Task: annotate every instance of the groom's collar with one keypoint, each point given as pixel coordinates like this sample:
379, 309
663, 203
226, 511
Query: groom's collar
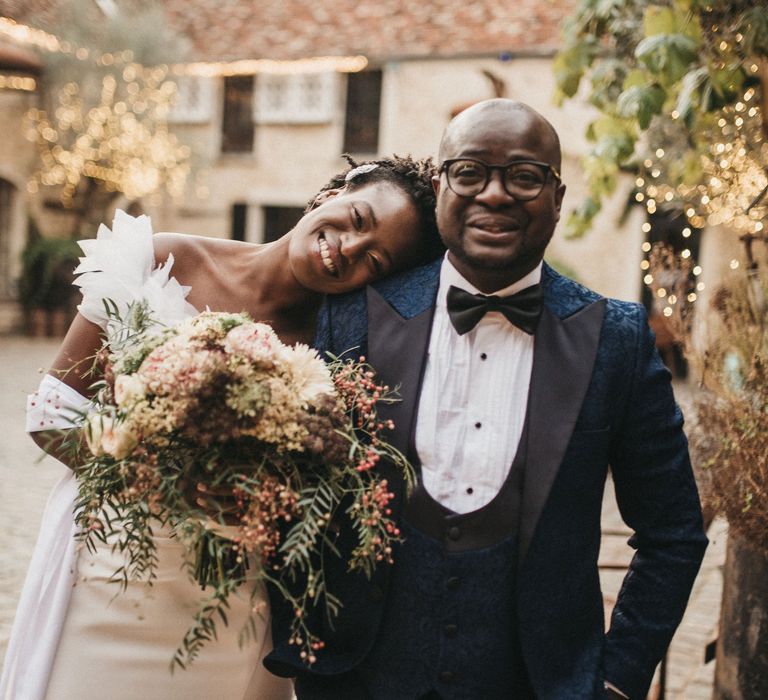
451, 277
413, 292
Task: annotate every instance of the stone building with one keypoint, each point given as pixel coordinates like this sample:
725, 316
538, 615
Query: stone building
265, 137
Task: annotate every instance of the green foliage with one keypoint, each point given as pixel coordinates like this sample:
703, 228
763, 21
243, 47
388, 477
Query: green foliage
641, 102
652, 63
46, 277
667, 55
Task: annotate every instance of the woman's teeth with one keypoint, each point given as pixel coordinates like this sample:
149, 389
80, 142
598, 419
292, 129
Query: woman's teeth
325, 254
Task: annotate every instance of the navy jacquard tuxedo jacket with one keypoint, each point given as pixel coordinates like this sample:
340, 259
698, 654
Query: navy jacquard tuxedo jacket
600, 398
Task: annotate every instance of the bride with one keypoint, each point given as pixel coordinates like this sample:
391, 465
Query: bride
72, 637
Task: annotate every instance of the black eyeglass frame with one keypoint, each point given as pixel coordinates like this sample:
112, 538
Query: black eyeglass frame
549, 169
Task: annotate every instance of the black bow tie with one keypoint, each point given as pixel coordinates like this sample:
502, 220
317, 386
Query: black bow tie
522, 309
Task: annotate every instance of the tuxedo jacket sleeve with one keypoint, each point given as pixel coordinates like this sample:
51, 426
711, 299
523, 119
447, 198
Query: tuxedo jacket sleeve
657, 497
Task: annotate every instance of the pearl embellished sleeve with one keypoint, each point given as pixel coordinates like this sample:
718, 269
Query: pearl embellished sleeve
54, 406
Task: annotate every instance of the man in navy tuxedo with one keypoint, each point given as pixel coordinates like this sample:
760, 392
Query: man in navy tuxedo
519, 389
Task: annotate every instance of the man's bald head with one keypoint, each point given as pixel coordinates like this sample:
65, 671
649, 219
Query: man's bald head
498, 112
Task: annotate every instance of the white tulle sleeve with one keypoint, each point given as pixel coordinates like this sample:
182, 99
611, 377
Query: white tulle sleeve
119, 265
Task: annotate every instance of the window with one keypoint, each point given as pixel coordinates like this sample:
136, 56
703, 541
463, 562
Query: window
279, 220
239, 221
308, 98
361, 128
194, 100
237, 122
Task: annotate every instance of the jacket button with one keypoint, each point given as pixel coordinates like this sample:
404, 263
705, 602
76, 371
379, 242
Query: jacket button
450, 630
447, 676
376, 594
454, 533
453, 583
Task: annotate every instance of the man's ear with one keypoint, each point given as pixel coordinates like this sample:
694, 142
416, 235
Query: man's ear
325, 195
559, 193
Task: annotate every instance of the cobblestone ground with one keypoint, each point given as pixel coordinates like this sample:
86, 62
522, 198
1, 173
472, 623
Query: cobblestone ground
25, 482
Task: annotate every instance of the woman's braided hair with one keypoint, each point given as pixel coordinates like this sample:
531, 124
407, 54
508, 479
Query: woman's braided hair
412, 176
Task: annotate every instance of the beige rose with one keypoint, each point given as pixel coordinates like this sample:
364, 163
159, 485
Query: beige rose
105, 435
128, 390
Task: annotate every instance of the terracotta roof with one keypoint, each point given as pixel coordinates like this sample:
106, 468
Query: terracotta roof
285, 29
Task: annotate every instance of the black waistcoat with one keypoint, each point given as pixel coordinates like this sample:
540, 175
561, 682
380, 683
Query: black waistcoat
450, 624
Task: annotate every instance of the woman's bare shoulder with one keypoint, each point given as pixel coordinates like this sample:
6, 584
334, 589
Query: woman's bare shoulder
190, 253
196, 257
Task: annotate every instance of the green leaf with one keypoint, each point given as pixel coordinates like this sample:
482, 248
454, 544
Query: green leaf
642, 103
635, 78
659, 20
668, 56
570, 63
754, 27
580, 219
692, 89
728, 84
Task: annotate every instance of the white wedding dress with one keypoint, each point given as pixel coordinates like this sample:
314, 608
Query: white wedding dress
73, 637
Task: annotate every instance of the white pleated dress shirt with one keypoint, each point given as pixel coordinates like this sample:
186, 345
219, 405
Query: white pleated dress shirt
473, 400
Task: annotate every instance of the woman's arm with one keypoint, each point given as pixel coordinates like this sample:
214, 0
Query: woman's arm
71, 366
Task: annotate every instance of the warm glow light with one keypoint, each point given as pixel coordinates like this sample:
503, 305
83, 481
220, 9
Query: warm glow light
317, 64
17, 82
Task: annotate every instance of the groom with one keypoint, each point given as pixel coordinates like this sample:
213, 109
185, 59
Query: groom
512, 410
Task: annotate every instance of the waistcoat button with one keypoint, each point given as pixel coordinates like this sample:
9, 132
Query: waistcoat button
450, 630
447, 676
454, 533
453, 583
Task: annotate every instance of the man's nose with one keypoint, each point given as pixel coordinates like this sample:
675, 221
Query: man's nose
494, 194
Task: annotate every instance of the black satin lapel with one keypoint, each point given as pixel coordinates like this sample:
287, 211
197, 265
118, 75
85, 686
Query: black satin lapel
397, 351
563, 359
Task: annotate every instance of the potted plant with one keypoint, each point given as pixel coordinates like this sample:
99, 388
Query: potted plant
45, 285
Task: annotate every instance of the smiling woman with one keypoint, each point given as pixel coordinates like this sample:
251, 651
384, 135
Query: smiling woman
367, 222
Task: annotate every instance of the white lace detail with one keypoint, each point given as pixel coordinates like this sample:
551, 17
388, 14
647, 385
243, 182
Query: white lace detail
119, 265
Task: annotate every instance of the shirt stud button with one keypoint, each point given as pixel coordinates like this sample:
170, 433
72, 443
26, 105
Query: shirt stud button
483, 356
478, 425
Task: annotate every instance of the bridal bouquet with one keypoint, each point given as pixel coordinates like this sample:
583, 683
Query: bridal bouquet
218, 404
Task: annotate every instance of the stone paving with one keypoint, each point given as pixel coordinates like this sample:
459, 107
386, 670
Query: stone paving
25, 481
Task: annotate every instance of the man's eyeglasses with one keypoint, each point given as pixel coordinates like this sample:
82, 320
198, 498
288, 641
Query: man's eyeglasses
522, 179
